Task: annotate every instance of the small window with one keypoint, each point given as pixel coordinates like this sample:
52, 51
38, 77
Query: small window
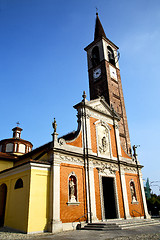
95, 56
72, 189
22, 148
133, 192
111, 55
9, 147
18, 134
19, 184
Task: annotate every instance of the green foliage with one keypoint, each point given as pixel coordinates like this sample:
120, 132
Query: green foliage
153, 204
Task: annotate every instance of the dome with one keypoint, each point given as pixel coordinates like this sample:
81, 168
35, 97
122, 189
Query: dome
15, 145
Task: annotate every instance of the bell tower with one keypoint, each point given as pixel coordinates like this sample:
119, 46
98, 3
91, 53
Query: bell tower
104, 78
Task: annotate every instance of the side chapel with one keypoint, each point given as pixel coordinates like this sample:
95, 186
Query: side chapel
89, 174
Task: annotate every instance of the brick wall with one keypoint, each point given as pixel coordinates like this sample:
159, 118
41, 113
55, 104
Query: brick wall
120, 199
93, 134
113, 141
76, 142
71, 213
97, 194
117, 100
135, 206
124, 154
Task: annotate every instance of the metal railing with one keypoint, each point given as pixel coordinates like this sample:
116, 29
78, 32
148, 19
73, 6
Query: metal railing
136, 212
79, 227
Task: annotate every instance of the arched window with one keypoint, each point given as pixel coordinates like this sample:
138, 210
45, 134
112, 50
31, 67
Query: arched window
19, 184
3, 197
95, 56
133, 191
72, 186
111, 55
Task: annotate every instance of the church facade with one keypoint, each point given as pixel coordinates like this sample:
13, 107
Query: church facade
87, 175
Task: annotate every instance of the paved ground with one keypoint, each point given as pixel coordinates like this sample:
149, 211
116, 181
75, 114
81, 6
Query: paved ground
145, 233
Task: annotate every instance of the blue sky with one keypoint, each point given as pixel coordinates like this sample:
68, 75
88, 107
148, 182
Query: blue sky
43, 67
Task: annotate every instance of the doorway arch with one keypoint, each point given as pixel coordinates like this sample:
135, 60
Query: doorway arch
3, 197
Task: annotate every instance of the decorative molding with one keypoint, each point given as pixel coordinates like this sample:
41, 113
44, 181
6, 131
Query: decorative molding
116, 126
107, 168
70, 159
103, 139
62, 142
129, 169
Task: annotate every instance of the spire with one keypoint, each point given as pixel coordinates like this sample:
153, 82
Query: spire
99, 31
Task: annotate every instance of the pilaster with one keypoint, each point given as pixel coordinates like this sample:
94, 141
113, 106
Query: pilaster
116, 128
92, 193
56, 222
146, 214
125, 197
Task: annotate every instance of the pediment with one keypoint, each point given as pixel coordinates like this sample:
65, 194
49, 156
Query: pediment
101, 106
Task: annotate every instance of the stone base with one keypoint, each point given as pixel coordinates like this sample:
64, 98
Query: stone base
56, 227
147, 216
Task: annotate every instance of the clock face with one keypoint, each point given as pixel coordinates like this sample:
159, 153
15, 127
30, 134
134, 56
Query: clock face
113, 73
97, 73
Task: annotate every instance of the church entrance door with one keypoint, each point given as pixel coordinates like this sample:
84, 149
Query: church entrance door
109, 197
3, 196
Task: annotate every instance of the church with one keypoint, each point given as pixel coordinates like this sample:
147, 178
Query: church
88, 175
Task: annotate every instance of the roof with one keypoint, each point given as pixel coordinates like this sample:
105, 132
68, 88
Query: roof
10, 140
99, 31
69, 136
7, 156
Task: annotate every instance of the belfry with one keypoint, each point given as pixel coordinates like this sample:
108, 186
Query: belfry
88, 175
105, 80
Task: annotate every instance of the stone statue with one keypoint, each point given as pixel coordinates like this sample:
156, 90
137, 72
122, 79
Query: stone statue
133, 193
54, 124
72, 190
103, 145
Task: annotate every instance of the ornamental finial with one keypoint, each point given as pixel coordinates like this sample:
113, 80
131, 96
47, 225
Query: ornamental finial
84, 95
54, 125
96, 11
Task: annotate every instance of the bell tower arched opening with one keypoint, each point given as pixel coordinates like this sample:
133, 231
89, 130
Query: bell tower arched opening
95, 56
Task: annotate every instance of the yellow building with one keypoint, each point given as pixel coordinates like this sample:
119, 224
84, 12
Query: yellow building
89, 174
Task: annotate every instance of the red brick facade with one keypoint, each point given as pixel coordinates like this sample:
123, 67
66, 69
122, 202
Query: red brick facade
135, 208
71, 213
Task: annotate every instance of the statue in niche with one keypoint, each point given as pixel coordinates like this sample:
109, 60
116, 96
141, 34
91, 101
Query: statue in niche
133, 193
103, 140
103, 145
72, 189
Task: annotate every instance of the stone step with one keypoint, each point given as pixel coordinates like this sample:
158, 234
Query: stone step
139, 224
120, 224
101, 227
98, 226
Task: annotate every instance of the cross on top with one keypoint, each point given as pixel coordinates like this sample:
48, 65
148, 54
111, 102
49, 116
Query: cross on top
18, 123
